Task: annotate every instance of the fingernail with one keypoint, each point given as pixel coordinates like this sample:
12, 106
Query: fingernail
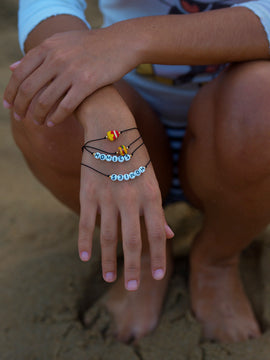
17, 117
158, 274
132, 285
50, 123
109, 276
6, 104
14, 65
169, 230
84, 256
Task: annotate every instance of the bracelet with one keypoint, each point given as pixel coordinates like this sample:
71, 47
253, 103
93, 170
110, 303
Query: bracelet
120, 177
112, 135
112, 156
109, 156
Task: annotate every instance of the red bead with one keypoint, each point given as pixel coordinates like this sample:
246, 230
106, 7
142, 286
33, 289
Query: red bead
113, 135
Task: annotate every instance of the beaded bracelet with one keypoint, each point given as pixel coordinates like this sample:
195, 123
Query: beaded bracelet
120, 177
112, 156
112, 135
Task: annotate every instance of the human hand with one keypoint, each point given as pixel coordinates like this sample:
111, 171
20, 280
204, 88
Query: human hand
121, 205
49, 83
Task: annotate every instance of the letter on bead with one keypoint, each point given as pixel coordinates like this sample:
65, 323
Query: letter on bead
113, 177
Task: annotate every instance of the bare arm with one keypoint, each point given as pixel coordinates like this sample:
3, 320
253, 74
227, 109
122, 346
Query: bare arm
51, 26
212, 37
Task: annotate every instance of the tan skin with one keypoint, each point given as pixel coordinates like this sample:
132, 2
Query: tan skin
214, 174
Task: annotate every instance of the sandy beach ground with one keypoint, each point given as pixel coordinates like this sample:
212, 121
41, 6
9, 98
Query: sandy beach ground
44, 287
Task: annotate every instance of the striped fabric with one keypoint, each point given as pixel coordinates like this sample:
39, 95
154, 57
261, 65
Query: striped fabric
176, 135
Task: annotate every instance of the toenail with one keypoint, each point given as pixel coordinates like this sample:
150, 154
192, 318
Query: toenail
84, 256
158, 274
109, 276
132, 285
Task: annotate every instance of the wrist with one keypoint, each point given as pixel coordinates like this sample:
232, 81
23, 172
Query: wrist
103, 111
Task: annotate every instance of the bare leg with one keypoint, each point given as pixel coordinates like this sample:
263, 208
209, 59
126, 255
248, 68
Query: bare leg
225, 170
54, 156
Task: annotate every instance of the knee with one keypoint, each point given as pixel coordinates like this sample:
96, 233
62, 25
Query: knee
55, 148
242, 121
239, 126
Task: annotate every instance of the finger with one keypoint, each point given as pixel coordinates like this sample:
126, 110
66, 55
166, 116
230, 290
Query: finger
154, 222
14, 65
67, 106
45, 103
169, 233
27, 65
29, 88
30, 111
86, 227
131, 237
108, 241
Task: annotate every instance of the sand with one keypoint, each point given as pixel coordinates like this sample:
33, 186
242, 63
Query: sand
44, 288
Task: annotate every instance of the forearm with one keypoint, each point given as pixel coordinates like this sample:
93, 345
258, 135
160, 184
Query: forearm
218, 36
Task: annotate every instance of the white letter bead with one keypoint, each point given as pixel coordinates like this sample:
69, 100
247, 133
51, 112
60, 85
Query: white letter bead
132, 175
142, 169
127, 157
121, 158
120, 177
126, 176
108, 158
102, 157
114, 158
114, 177
137, 172
97, 155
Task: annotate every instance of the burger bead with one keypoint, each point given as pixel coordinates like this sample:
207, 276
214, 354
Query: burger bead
122, 150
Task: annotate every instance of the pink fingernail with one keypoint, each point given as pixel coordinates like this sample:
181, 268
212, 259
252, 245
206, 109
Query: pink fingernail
109, 276
14, 65
6, 104
169, 230
84, 256
158, 274
50, 124
132, 285
17, 117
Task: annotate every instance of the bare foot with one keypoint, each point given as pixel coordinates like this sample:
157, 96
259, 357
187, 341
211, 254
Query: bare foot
220, 303
136, 313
